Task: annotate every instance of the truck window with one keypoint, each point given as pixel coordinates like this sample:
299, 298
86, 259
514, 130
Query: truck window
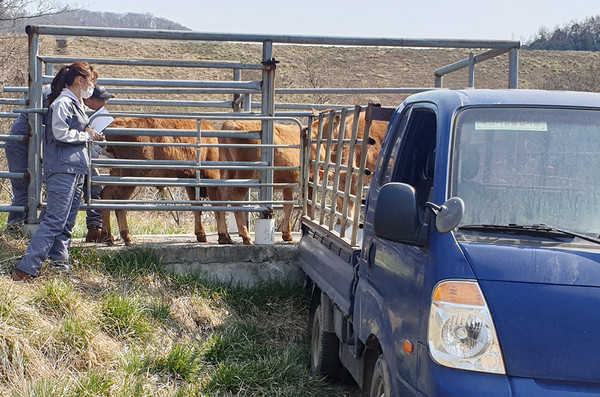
528, 166
394, 149
414, 155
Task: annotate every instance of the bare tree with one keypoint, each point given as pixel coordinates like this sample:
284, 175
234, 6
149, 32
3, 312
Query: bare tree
14, 11
316, 75
587, 79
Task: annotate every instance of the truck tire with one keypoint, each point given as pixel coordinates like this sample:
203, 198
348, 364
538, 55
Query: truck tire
381, 385
324, 359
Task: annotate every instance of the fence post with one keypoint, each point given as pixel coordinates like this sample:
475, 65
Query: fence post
471, 70
237, 76
34, 101
265, 221
513, 68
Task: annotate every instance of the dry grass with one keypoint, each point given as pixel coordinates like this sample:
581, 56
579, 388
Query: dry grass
121, 326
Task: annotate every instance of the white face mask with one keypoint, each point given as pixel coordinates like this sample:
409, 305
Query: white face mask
85, 94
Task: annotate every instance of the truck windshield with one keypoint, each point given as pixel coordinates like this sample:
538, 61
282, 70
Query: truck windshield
524, 166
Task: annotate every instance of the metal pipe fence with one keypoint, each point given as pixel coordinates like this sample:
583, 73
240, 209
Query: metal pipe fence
267, 110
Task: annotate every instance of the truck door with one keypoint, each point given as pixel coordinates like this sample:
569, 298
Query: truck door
391, 274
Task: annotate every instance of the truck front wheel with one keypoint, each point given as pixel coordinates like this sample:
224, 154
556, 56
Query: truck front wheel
324, 359
381, 385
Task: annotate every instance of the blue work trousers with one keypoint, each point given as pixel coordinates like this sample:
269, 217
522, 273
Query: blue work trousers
53, 237
16, 157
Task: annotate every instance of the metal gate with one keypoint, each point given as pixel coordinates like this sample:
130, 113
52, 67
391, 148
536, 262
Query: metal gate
241, 105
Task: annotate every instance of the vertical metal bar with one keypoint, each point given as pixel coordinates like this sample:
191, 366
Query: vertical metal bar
301, 172
247, 102
513, 68
360, 182
198, 158
49, 68
471, 70
268, 109
237, 76
336, 173
350, 170
88, 180
439, 81
307, 145
34, 100
326, 167
315, 182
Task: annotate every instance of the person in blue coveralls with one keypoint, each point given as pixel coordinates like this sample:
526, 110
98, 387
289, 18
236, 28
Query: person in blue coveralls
66, 162
17, 155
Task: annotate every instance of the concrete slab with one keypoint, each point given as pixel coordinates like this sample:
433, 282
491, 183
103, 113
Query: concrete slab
237, 263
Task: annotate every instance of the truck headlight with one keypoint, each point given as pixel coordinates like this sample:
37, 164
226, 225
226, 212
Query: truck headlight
461, 331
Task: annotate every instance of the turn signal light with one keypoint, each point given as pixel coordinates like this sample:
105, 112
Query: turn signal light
458, 292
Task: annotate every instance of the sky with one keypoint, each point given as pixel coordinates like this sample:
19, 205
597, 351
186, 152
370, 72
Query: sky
410, 19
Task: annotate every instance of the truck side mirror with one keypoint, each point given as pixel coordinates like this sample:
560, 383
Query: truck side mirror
396, 215
447, 215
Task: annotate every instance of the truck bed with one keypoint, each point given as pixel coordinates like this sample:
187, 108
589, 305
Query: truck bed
330, 262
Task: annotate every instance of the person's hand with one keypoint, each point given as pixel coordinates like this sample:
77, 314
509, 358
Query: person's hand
95, 135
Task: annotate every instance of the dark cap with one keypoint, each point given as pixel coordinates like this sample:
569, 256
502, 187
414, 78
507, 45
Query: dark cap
101, 93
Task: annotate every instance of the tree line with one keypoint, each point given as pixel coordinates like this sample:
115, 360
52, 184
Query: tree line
576, 36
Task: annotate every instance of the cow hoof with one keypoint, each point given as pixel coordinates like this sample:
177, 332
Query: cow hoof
201, 238
286, 236
247, 241
127, 239
106, 238
225, 239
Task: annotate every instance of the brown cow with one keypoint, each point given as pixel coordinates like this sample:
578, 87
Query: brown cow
116, 192
283, 135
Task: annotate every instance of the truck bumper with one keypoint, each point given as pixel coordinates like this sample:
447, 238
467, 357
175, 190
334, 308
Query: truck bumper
436, 380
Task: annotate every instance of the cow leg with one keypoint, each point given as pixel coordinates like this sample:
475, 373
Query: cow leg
237, 195
198, 227
224, 237
118, 193
242, 226
221, 194
286, 232
108, 192
106, 234
123, 227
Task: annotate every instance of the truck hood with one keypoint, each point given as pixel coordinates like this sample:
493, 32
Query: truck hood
545, 305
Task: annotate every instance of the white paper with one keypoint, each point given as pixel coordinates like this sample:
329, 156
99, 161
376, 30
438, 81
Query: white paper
101, 122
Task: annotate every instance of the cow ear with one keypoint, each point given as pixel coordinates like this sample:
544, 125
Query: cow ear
315, 112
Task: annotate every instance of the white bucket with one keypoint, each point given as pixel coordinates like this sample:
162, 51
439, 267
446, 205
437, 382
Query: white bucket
231, 223
264, 231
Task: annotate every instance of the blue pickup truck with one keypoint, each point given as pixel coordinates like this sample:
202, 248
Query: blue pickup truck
477, 267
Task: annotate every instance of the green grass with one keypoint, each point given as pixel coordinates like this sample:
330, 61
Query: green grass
120, 325
125, 317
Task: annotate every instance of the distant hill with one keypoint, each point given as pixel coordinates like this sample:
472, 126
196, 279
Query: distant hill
578, 36
95, 18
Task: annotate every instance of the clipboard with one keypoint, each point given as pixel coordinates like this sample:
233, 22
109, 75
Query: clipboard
102, 120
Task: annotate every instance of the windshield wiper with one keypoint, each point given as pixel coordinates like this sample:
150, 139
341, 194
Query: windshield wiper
539, 227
